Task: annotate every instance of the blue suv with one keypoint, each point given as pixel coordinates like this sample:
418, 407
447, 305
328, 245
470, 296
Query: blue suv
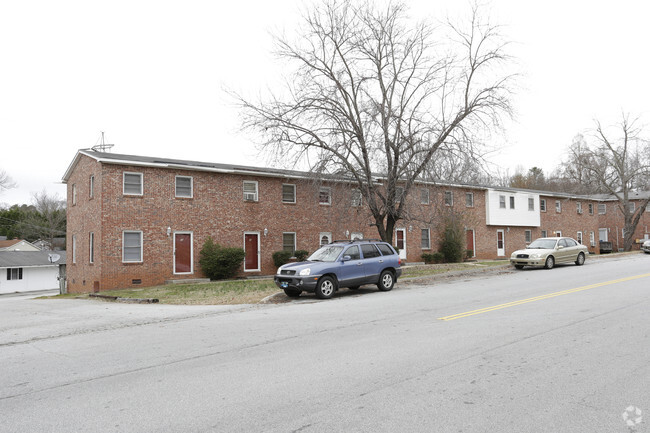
341, 264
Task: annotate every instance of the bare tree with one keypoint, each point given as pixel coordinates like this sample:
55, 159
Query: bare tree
5, 181
47, 221
374, 96
618, 165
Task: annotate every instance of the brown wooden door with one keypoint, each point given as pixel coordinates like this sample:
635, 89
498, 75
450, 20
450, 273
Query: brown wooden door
251, 245
182, 253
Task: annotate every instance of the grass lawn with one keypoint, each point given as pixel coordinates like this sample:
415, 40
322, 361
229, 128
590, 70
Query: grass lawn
252, 291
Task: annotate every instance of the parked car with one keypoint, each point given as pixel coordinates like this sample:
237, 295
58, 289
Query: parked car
341, 264
645, 247
548, 252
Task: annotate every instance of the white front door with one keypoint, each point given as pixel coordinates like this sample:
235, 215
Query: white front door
400, 242
501, 243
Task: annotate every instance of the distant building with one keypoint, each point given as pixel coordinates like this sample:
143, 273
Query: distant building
27, 271
17, 245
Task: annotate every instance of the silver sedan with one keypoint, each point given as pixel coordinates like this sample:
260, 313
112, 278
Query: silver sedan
546, 252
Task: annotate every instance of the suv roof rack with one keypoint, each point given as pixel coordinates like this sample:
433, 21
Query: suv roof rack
347, 241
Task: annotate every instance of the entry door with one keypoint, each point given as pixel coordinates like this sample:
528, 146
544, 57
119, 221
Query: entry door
182, 253
469, 234
501, 243
400, 242
252, 250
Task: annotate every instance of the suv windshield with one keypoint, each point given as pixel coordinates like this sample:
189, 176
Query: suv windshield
542, 244
328, 253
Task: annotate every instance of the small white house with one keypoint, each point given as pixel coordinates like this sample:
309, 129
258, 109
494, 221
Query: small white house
28, 271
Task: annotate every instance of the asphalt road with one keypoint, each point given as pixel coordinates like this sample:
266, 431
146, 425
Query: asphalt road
562, 350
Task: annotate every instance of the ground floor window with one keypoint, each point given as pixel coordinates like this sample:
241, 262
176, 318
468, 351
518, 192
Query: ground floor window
132, 246
529, 236
325, 238
14, 273
544, 233
289, 242
426, 241
592, 239
579, 237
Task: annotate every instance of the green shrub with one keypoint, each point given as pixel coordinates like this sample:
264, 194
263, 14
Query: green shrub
453, 243
301, 255
218, 262
281, 257
438, 257
427, 258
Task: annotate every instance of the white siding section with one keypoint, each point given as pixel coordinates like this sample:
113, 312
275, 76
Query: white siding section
519, 216
34, 278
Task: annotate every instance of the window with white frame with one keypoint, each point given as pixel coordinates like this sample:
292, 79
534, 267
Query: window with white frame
591, 208
502, 202
14, 274
91, 187
544, 233
579, 207
592, 239
132, 246
426, 239
91, 247
184, 187
531, 204
289, 242
602, 208
250, 190
324, 238
424, 196
631, 207
399, 193
74, 248
528, 235
74, 194
542, 205
288, 193
132, 183
325, 196
449, 198
558, 206
647, 207
356, 236
356, 199
469, 199
579, 237
512, 202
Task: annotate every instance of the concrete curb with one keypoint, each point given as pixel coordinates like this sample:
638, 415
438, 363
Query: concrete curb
125, 300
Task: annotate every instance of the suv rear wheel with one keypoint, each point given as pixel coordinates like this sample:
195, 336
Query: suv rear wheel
325, 288
386, 281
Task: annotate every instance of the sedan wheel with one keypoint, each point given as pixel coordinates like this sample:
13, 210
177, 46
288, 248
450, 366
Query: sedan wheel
581, 259
325, 288
386, 281
550, 262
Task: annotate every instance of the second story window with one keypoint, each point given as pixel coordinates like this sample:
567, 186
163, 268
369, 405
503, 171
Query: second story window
558, 206
74, 194
325, 196
399, 193
531, 204
424, 196
542, 205
356, 198
91, 186
579, 207
591, 208
288, 193
512, 202
602, 208
449, 198
502, 202
132, 183
469, 199
250, 190
184, 186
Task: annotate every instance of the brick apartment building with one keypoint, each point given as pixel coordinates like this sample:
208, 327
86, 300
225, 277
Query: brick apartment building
136, 220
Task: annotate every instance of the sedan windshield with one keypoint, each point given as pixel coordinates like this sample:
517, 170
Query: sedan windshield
542, 244
328, 253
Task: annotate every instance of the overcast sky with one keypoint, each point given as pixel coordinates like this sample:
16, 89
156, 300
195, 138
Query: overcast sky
151, 73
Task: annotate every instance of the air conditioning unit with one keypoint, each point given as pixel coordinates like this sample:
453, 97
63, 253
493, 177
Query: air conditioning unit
249, 196
580, 212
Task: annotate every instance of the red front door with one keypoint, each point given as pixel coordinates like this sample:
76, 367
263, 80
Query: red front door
251, 247
470, 240
182, 253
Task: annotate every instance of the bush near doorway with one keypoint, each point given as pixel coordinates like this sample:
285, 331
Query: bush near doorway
219, 262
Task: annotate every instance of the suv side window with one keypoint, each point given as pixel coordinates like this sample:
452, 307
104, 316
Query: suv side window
353, 252
369, 251
385, 249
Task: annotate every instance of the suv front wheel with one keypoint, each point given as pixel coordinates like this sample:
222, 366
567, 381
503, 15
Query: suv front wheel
386, 281
325, 288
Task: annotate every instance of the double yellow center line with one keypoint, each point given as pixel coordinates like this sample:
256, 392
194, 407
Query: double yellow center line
539, 298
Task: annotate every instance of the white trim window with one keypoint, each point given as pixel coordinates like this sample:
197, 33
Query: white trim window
91, 186
591, 208
132, 183
542, 205
579, 208
512, 202
14, 274
425, 242
502, 202
288, 193
579, 237
531, 204
91, 247
74, 194
74, 249
602, 208
356, 236
528, 236
449, 198
132, 246
250, 190
357, 198
544, 234
399, 194
631, 206
469, 199
289, 242
424, 196
184, 186
558, 206
324, 238
592, 239
325, 196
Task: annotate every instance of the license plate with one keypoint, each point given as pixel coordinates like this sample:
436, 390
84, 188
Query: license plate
284, 284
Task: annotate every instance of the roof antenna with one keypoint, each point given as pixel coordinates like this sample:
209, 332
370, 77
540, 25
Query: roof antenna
103, 146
